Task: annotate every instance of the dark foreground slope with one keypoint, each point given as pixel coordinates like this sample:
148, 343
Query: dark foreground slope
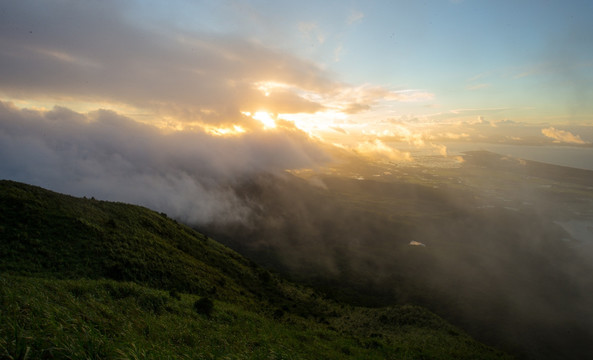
82, 278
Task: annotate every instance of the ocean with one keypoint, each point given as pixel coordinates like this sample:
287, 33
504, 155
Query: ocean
571, 156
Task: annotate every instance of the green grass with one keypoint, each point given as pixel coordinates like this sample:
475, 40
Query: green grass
87, 279
97, 319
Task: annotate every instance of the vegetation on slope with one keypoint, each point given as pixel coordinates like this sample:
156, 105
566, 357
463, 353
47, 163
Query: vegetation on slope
82, 278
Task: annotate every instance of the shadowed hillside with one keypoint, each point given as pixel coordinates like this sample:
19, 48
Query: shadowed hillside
82, 278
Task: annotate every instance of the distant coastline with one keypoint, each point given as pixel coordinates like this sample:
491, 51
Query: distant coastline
576, 157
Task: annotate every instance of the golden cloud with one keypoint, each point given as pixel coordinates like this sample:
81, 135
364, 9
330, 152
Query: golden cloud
563, 136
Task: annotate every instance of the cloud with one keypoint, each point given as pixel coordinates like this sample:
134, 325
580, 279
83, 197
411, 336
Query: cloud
356, 108
187, 174
286, 101
95, 53
409, 95
376, 149
355, 16
193, 84
563, 136
351, 99
338, 52
505, 122
481, 121
311, 32
478, 86
450, 136
339, 129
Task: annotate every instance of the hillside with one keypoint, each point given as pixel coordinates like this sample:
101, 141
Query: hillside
82, 278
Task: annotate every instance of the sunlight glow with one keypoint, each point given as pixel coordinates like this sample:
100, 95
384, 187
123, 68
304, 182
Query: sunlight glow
266, 87
265, 118
378, 150
226, 131
320, 123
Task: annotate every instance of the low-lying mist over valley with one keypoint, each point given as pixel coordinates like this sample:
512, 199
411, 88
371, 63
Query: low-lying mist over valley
497, 245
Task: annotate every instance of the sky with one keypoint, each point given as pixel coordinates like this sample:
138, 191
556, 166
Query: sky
180, 94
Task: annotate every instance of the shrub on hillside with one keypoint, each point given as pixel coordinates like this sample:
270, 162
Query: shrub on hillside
204, 306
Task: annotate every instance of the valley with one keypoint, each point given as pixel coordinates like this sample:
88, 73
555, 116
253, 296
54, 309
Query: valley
497, 258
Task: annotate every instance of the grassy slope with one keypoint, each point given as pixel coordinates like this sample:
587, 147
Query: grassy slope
91, 279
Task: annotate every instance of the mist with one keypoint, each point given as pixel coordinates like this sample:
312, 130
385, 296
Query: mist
187, 174
496, 262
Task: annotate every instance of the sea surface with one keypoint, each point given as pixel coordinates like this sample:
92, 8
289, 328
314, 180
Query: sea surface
571, 156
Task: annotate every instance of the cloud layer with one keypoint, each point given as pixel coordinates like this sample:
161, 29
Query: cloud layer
93, 52
96, 52
188, 174
563, 136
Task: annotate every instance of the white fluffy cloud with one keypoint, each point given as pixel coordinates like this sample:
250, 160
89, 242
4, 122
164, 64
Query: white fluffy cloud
563, 136
188, 174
